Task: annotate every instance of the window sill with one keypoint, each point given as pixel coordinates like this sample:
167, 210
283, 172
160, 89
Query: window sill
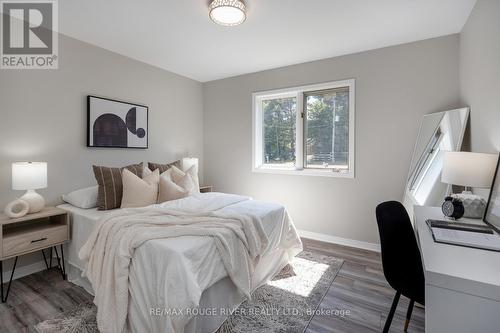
305, 172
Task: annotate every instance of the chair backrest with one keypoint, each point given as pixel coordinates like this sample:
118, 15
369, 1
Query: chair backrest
401, 259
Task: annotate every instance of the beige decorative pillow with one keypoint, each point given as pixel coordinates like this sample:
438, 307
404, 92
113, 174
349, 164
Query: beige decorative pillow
170, 190
180, 178
110, 191
139, 192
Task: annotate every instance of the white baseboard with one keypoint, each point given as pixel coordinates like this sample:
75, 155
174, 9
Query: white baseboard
23, 270
339, 240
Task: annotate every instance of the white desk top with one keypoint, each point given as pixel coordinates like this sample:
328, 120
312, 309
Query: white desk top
467, 270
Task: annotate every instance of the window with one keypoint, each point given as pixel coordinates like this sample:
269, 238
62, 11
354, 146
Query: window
305, 130
279, 121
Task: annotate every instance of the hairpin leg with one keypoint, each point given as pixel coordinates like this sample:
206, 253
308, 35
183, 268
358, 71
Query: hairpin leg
50, 258
45, 260
1, 278
10, 281
61, 266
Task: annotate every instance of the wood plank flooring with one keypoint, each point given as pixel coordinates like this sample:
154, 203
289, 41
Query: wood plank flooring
38, 297
359, 287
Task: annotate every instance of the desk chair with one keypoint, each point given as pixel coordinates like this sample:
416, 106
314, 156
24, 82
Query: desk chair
401, 259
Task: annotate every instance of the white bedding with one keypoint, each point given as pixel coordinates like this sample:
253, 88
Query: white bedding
148, 288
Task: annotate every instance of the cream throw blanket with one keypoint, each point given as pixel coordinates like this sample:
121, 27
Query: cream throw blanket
240, 241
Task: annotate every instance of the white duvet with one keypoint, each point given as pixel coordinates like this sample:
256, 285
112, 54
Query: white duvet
175, 273
239, 240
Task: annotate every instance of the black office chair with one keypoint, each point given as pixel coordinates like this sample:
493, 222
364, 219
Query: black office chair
400, 257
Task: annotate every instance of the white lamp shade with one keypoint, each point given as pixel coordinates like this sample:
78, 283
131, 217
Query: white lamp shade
29, 175
188, 162
469, 169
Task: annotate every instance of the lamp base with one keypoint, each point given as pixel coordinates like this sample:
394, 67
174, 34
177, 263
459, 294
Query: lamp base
34, 200
474, 205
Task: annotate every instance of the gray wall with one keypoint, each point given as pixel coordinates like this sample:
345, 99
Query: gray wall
395, 86
480, 74
43, 116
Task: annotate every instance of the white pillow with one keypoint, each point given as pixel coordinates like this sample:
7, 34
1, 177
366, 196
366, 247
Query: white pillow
139, 192
83, 198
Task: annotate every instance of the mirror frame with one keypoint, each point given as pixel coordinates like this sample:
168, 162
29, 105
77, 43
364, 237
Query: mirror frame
408, 199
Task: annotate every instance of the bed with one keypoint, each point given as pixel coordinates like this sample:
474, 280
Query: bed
209, 286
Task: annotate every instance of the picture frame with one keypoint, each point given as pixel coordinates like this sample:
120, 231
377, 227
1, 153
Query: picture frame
116, 124
492, 212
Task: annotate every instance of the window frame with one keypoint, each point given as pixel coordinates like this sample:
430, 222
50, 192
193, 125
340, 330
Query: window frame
298, 92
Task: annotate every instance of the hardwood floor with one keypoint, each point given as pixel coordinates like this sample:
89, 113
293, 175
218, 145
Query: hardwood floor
359, 287
38, 297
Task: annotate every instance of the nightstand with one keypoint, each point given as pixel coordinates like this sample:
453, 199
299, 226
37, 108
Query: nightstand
206, 189
33, 232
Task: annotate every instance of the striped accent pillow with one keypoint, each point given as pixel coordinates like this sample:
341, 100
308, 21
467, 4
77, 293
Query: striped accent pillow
109, 194
163, 167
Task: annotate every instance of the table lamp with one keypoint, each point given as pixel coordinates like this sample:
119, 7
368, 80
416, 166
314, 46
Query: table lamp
469, 170
188, 162
30, 176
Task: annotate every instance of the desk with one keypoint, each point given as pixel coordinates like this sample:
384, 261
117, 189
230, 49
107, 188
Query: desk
462, 285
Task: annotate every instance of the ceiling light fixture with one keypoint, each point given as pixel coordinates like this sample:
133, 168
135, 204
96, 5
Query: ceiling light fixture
227, 12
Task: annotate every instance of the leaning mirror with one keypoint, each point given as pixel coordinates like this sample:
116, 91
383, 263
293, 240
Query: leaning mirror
439, 132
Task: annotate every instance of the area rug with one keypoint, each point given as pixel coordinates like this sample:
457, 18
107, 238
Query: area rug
288, 302
285, 304
78, 320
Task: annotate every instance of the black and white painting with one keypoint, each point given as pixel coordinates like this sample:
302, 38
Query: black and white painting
116, 124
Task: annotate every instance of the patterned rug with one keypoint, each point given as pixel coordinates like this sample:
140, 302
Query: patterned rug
78, 320
285, 304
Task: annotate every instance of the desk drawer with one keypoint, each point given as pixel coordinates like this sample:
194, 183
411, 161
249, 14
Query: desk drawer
29, 241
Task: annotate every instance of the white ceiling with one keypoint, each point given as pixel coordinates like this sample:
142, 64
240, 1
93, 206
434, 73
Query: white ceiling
178, 36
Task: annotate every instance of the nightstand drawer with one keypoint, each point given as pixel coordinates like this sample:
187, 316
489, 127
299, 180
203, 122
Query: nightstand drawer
32, 239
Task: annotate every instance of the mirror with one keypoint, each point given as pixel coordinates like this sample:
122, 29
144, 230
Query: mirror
439, 132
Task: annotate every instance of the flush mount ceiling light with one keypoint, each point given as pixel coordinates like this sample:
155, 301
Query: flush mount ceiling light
227, 12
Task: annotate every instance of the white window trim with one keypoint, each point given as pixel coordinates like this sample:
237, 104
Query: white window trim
298, 92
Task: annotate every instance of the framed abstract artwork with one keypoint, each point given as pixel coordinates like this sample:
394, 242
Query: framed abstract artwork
116, 124
492, 214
